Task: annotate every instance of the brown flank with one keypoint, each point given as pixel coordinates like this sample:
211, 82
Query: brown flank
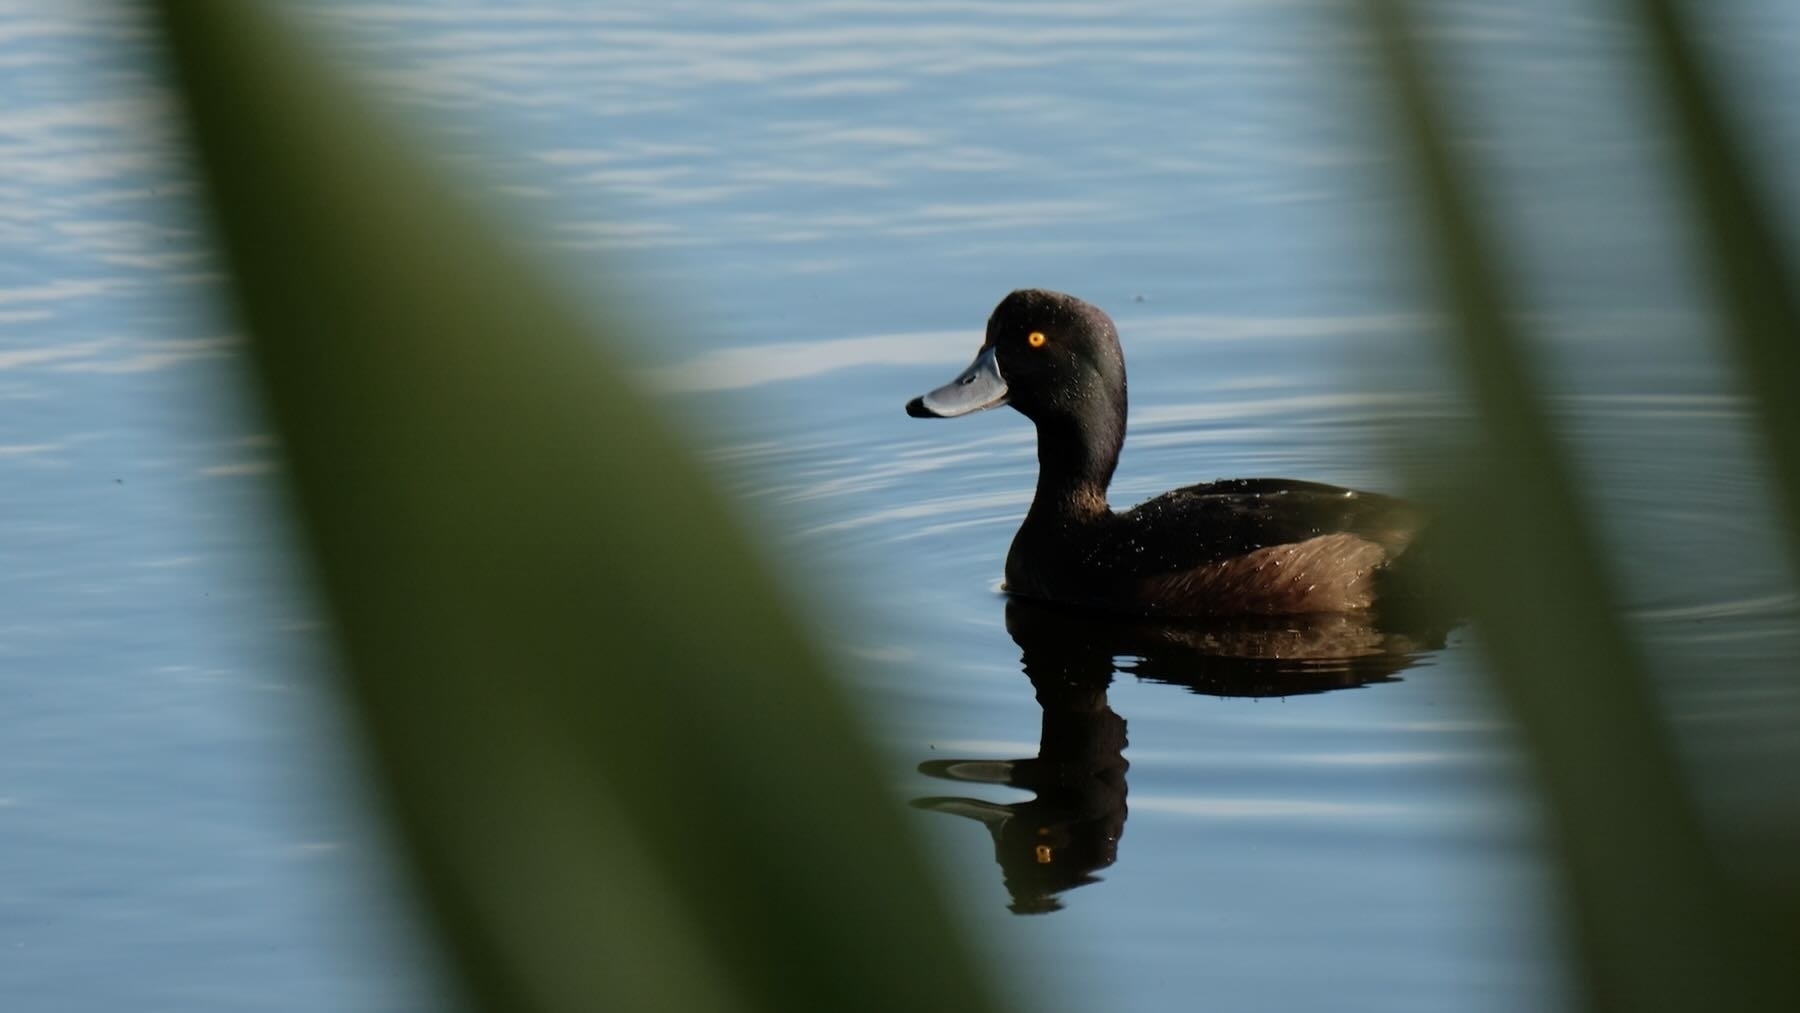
1330, 573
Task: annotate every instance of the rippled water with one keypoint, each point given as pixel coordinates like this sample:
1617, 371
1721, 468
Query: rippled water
829, 197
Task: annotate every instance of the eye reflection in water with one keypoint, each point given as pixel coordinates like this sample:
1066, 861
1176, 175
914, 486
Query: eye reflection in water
1059, 839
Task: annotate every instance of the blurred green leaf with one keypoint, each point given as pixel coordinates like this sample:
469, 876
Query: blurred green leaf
1751, 269
619, 768
1660, 924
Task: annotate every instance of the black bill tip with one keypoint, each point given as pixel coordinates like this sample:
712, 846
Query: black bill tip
916, 408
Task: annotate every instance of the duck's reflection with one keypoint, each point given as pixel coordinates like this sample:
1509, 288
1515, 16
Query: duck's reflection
1057, 840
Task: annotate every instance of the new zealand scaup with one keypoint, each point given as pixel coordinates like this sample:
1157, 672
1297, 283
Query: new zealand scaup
1248, 546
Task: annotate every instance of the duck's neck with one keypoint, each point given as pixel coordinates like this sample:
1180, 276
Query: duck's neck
1075, 464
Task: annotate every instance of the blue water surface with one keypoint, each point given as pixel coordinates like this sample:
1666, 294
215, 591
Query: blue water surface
823, 200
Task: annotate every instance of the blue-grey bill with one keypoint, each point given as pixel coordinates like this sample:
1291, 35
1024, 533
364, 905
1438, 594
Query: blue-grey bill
979, 387
990, 814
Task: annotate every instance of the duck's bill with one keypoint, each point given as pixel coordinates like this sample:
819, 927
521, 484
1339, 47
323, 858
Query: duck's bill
978, 388
990, 814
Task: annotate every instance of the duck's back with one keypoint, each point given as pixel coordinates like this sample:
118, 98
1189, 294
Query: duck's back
1262, 546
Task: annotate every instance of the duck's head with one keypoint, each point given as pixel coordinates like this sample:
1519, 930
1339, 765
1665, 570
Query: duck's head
1049, 355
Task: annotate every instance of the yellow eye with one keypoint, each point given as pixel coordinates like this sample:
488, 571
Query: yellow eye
1043, 854
1036, 339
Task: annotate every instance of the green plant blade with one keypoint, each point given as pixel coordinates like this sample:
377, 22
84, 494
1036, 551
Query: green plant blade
616, 764
1752, 270
1659, 924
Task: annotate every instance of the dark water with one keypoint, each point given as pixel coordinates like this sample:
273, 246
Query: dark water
827, 199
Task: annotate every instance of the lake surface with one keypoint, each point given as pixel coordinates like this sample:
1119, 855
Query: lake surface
825, 200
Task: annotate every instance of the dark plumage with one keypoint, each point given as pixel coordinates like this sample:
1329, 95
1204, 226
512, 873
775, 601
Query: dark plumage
1255, 546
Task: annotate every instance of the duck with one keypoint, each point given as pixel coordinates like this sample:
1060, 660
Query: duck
1233, 547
